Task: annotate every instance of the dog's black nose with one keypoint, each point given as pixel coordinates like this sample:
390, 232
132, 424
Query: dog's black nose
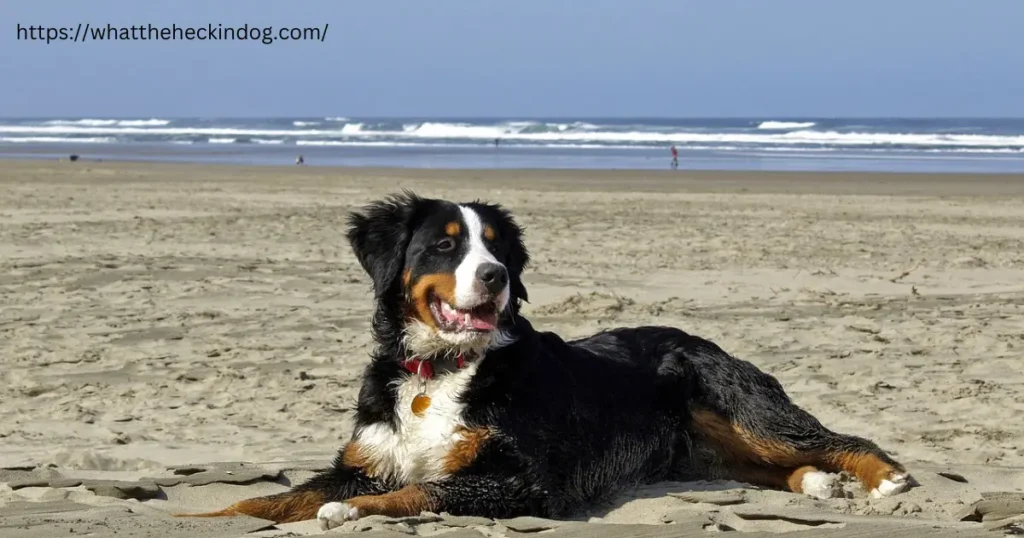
494, 276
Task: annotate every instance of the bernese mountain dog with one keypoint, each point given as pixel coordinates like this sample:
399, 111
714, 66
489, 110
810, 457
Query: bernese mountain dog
466, 408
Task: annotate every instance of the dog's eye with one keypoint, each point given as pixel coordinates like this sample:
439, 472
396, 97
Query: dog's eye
445, 244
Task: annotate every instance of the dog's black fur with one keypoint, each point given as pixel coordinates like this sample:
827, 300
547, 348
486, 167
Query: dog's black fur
569, 423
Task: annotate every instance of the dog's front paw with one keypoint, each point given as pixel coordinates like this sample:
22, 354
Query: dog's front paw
893, 484
821, 485
332, 515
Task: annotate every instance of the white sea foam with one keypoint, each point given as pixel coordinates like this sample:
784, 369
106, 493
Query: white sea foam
305, 123
908, 139
351, 129
168, 131
866, 145
976, 150
687, 147
87, 122
153, 122
461, 130
540, 134
780, 125
367, 143
335, 118
322, 143
57, 140
516, 126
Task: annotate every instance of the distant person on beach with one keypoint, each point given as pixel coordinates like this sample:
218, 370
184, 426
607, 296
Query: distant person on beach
300, 161
496, 140
675, 157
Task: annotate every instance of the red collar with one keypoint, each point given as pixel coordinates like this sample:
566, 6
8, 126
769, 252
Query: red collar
425, 369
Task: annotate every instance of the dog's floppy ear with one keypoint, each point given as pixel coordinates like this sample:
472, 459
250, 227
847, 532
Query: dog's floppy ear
518, 259
379, 235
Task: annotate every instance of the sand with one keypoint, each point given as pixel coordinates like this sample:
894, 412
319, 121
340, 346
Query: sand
182, 336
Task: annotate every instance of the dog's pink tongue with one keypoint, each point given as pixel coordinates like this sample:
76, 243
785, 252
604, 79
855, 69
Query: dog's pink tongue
480, 318
484, 321
452, 315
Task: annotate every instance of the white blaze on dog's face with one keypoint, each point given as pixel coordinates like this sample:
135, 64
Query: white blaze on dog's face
479, 277
456, 286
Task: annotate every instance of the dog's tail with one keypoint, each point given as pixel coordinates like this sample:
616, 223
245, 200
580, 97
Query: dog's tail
287, 507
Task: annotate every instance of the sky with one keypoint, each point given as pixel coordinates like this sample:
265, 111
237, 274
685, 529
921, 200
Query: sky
526, 58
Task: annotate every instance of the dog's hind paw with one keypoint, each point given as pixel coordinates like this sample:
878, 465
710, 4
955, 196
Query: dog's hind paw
334, 514
821, 485
895, 483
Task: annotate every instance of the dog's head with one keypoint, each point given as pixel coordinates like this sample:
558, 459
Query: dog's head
447, 277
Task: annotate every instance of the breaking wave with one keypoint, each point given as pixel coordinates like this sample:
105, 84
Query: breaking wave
721, 135
57, 140
782, 125
152, 122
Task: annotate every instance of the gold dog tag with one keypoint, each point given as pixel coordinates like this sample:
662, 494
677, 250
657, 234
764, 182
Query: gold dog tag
420, 403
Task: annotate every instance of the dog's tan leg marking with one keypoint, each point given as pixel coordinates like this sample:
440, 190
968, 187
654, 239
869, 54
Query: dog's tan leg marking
408, 501
749, 458
739, 448
286, 507
737, 445
879, 478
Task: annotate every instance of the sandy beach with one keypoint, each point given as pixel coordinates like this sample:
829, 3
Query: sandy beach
178, 337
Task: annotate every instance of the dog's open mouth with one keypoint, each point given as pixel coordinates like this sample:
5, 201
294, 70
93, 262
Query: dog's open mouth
482, 318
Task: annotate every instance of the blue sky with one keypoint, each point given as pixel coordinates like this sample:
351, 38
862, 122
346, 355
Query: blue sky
657, 58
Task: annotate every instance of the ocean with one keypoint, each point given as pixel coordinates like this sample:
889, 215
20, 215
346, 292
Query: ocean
782, 144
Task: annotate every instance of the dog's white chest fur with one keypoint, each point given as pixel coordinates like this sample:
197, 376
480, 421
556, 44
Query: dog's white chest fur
416, 452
